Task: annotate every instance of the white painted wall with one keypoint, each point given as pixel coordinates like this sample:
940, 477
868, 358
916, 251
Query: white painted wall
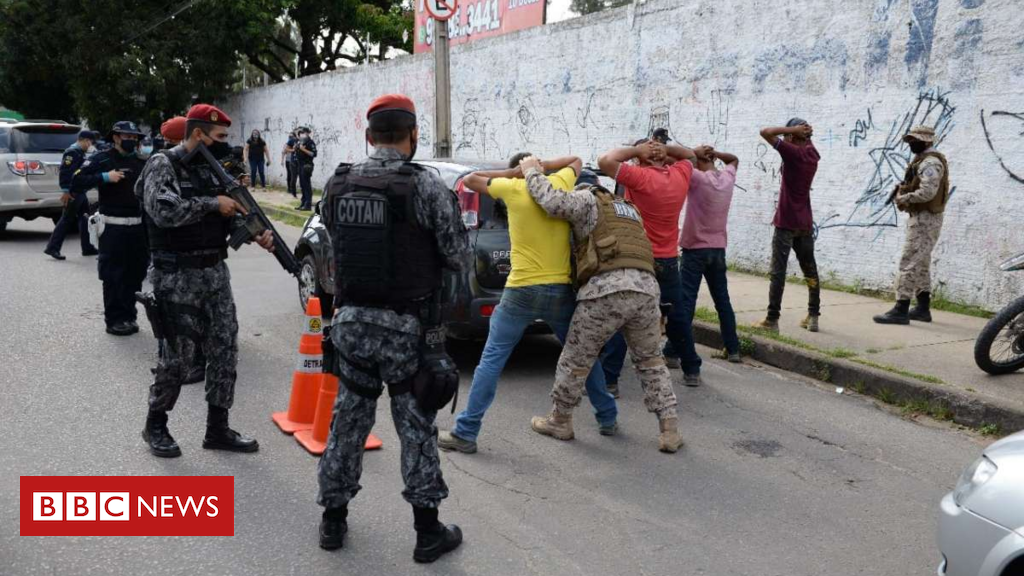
860, 71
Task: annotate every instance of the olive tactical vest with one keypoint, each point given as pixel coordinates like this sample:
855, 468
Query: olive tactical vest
912, 182
618, 241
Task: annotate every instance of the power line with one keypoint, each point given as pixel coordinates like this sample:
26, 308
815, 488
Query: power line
181, 8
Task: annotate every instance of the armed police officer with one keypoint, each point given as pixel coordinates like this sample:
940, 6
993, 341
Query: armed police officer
123, 255
394, 226
923, 195
76, 203
188, 224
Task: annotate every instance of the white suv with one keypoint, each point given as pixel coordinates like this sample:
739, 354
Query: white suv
30, 155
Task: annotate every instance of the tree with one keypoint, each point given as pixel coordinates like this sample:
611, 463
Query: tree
28, 83
583, 7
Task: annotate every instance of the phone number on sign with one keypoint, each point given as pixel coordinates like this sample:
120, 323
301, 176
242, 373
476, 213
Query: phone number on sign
480, 16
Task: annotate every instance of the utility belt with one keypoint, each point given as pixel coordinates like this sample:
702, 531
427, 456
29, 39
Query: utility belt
170, 261
98, 222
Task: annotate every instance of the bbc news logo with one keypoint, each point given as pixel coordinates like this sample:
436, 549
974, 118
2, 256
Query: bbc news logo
127, 506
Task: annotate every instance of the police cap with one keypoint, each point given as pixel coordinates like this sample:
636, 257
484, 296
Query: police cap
88, 135
126, 127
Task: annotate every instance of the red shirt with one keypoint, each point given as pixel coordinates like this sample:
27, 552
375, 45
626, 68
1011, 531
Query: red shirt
799, 163
659, 193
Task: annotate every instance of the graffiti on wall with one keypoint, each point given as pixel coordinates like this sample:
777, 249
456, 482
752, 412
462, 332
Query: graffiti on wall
1000, 129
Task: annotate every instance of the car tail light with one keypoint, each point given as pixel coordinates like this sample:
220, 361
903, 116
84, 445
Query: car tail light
486, 310
27, 167
469, 203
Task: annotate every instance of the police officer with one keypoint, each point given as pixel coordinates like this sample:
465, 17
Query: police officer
923, 195
123, 255
305, 152
188, 225
619, 291
76, 203
173, 131
394, 226
288, 159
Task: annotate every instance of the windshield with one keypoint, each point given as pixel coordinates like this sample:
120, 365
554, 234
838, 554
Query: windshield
32, 139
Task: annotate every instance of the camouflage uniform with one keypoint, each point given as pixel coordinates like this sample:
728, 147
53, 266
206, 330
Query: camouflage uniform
386, 345
923, 230
202, 296
625, 299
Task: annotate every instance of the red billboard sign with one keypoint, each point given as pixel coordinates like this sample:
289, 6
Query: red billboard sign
478, 19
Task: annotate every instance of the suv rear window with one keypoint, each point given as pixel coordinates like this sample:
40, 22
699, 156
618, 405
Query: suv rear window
31, 139
5, 140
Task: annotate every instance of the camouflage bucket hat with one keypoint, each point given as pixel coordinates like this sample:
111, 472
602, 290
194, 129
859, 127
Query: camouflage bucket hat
921, 134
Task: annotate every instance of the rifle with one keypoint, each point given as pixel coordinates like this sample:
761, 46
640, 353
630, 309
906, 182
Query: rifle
256, 222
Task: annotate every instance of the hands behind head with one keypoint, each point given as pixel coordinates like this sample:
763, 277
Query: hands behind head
651, 151
530, 162
704, 153
804, 131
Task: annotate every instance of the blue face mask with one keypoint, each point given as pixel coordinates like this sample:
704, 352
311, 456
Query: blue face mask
147, 150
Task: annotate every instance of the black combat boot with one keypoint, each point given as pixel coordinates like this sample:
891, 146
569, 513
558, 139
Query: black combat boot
433, 539
922, 312
333, 527
900, 314
158, 437
220, 437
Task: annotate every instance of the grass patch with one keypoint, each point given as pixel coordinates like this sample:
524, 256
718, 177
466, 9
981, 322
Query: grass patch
939, 301
990, 430
286, 216
936, 410
859, 387
823, 371
841, 353
705, 315
886, 395
872, 351
899, 371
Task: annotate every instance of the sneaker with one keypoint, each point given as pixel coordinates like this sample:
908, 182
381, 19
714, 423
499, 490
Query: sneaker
734, 357
692, 380
673, 363
451, 443
608, 429
810, 323
767, 324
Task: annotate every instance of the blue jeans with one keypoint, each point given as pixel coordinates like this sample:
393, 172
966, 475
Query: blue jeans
256, 166
519, 307
678, 328
708, 263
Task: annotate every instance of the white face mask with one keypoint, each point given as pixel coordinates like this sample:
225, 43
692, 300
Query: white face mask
91, 149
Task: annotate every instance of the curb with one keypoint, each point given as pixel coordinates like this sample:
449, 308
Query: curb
967, 409
285, 215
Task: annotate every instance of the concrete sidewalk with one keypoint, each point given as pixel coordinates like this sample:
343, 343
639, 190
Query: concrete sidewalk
942, 350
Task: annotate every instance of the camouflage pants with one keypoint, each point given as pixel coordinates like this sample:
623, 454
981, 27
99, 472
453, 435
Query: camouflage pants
637, 315
206, 324
915, 274
394, 356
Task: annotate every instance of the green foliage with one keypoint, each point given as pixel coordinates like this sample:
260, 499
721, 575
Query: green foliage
990, 429
583, 7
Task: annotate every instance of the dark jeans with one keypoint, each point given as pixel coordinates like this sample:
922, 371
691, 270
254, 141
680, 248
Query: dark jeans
78, 209
802, 243
306, 182
293, 174
256, 167
677, 329
707, 263
122, 263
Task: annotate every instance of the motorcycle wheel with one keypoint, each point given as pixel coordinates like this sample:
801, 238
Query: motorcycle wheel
999, 348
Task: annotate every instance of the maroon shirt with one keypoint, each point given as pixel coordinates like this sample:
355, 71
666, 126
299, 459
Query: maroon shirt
799, 163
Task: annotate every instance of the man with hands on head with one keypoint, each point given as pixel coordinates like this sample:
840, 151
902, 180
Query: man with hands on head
617, 291
539, 286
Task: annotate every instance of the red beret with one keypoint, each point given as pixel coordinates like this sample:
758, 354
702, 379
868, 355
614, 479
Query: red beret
208, 113
174, 129
391, 102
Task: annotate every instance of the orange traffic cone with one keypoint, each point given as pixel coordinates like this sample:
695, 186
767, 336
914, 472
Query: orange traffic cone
307, 375
315, 439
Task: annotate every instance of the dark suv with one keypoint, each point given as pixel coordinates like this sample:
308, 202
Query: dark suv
470, 297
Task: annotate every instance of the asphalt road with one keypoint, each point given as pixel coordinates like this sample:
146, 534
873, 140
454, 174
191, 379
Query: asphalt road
779, 476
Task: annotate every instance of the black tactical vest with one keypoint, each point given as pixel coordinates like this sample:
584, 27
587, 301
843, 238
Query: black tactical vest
209, 233
383, 257
118, 198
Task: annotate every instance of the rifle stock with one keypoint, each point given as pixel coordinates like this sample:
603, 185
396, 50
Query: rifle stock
255, 221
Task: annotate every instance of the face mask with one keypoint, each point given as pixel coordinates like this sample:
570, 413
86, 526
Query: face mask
219, 149
918, 147
91, 149
128, 146
147, 150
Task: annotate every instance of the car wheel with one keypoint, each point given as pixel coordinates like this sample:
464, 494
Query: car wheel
308, 284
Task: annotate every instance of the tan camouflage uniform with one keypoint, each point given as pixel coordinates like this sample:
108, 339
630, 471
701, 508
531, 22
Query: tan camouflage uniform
922, 233
624, 299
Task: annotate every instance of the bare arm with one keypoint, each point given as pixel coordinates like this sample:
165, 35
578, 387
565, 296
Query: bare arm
566, 161
678, 152
728, 159
245, 153
609, 162
772, 134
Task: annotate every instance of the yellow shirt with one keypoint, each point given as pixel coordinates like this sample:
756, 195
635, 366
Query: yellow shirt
540, 243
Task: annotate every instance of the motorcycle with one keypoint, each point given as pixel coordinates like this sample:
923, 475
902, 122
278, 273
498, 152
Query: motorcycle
999, 348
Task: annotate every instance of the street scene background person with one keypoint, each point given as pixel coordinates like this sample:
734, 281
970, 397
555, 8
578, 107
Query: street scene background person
539, 286
793, 223
305, 152
618, 291
188, 224
288, 161
76, 202
923, 195
257, 155
123, 251
389, 274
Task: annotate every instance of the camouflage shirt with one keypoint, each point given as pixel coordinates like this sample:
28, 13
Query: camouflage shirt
930, 172
579, 207
437, 209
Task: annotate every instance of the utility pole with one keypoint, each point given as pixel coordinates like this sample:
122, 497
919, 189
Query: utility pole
442, 92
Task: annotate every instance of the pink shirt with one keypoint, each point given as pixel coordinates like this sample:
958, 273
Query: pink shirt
707, 209
659, 193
